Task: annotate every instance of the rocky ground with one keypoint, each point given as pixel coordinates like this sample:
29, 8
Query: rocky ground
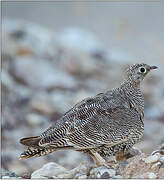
43, 75
141, 166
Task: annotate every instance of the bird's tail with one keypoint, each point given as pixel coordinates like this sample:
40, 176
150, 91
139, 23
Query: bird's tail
30, 141
36, 152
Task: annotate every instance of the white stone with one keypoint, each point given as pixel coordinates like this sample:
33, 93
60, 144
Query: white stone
48, 170
162, 159
74, 38
82, 177
7, 80
40, 73
75, 173
41, 40
156, 165
34, 119
98, 172
65, 175
61, 101
152, 158
42, 103
118, 177
151, 175
16, 166
5, 177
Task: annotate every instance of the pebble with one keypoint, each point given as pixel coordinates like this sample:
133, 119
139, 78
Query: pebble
7, 80
158, 164
8, 177
81, 65
47, 76
80, 176
152, 159
66, 175
78, 172
151, 175
41, 103
118, 177
17, 166
73, 37
102, 171
162, 159
5, 177
40, 40
34, 119
60, 105
48, 170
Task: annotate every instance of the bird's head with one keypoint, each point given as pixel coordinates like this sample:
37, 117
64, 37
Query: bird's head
137, 72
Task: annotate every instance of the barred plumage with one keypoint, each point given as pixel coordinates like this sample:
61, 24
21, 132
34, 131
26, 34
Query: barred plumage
106, 124
36, 152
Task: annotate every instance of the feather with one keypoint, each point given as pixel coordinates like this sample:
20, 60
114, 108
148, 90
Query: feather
30, 141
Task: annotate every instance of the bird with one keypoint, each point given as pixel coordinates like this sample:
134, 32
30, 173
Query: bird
107, 124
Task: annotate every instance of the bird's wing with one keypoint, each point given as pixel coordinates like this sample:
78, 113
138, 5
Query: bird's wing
92, 122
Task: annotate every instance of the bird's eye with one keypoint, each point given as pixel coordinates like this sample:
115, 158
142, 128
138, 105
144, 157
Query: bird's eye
142, 70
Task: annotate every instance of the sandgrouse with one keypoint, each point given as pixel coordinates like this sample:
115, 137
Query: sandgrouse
107, 124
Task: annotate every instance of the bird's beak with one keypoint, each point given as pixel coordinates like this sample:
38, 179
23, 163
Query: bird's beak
153, 67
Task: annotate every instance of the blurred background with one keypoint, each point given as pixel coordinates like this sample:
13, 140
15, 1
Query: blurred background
54, 54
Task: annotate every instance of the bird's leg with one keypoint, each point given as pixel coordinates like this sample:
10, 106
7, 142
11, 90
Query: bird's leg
98, 159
